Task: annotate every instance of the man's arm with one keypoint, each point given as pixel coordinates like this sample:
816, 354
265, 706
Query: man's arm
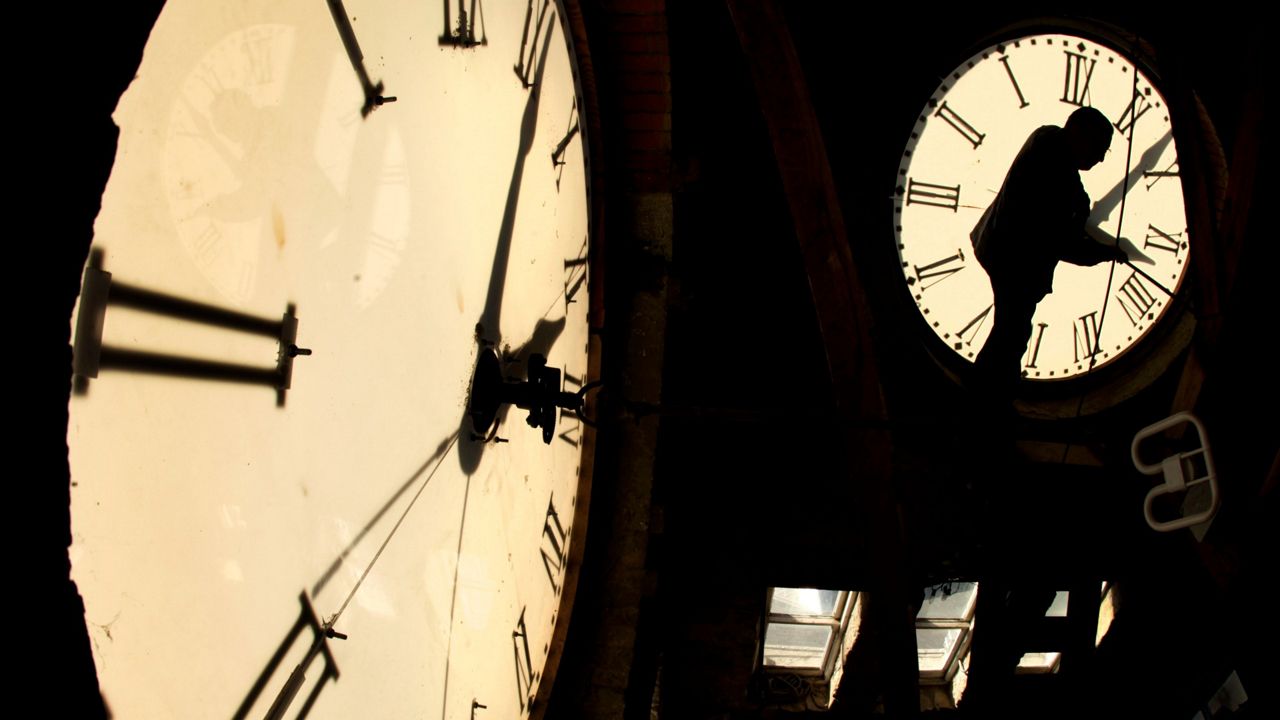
1096, 245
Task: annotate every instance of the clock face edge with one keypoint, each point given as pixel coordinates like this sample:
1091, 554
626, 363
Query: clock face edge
552, 120
945, 116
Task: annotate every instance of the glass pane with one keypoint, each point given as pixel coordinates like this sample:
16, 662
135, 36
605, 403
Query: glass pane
934, 647
804, 601
1059, 606
796, 646
958, 603
1039, 661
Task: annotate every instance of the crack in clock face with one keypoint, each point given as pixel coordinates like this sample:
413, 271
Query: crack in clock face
963, 143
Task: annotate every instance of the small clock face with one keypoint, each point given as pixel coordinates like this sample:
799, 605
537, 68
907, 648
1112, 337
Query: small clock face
413, 192
964, 141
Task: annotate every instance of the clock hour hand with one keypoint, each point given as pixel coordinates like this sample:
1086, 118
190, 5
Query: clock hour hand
1131, 252
373, 96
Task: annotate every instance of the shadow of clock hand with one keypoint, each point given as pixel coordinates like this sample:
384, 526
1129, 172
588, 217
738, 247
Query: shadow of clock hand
488, 329
544, 337
372, 91
1110, 201
489, 318
324, 629
337, 563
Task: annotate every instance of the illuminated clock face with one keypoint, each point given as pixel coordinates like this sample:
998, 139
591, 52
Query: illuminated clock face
399, 194
964, 141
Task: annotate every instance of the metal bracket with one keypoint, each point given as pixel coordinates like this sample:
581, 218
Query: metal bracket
1179, 472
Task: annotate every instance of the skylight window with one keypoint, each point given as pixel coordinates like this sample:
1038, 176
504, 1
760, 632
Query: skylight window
807, 635
943, 627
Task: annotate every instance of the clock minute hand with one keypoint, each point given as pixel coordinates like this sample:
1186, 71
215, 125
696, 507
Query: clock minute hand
1149, 279
373, 96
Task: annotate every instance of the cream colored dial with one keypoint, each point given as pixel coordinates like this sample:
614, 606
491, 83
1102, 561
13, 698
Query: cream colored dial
963, 143
357, 532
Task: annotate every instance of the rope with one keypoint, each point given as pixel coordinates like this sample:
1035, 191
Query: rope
1124, 196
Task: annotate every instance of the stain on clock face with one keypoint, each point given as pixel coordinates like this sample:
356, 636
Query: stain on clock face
963, 143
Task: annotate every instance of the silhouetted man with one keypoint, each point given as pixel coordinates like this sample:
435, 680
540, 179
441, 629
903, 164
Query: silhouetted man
1037, 219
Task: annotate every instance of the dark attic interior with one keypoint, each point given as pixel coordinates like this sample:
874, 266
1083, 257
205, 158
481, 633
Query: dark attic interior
802, 504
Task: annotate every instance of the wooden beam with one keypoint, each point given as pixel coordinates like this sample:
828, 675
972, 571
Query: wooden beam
844, 321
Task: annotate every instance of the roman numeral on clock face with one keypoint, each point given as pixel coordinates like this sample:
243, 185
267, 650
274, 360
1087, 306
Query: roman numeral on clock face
970, 330
1034, 351
924, 193
525, 676
572, 424
962, 126
535, 20
939, 270
1075, 86
1085, 336
1137, 108
575, 276
1161, 240
1155, 175
1135, 298
557, 155
1022, 100
554, 545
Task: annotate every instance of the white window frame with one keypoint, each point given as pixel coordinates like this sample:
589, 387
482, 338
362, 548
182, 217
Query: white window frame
821, 681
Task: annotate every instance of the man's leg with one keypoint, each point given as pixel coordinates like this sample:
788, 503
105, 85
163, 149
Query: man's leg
998, 364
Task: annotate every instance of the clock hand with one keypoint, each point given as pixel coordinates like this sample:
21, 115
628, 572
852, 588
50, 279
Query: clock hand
441, 450
1129, 176
1149, 279
488, 329
372, 91
1132, 252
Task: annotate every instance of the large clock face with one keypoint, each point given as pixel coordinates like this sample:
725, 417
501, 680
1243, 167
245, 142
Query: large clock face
963, 143
408, 191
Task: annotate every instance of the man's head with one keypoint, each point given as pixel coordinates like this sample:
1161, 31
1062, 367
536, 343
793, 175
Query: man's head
1089, 136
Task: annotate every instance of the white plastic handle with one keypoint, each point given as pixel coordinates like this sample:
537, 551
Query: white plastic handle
1178, 472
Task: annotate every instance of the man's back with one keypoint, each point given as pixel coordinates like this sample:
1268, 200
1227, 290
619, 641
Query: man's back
1040, 210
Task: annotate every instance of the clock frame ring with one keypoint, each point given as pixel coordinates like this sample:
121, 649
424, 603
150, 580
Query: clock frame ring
589, 114
1166, 338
